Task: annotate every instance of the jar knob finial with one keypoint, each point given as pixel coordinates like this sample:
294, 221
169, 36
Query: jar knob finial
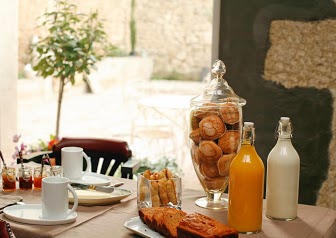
218, 69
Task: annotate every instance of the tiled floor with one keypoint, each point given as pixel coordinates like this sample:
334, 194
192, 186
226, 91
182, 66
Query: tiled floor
113, 113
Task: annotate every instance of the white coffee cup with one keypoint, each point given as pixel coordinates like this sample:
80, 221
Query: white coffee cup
72, 162
55, 198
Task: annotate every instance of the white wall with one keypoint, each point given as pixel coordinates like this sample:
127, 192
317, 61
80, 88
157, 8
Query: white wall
8, 75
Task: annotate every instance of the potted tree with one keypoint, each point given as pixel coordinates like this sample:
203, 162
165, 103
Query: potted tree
69, 48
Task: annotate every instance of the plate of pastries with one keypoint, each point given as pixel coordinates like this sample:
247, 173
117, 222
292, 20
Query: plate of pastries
157, 222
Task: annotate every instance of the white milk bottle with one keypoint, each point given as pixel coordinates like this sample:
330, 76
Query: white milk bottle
282, 179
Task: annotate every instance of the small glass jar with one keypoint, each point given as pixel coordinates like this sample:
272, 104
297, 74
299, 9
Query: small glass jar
25, 178
39, 174
8, 179
159, 193
56, 170
214, 132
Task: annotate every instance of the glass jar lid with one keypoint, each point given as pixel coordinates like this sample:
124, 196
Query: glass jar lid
218, 90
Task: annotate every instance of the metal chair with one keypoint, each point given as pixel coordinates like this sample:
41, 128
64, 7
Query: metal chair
96, 148
150, 129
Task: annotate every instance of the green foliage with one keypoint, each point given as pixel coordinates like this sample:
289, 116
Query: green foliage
47, 145
69, 48
164, 162
114, 51
174, 75
21, 75
133, 28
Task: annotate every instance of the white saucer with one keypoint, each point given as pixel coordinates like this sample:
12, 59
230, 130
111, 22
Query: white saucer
32, 214
93, 179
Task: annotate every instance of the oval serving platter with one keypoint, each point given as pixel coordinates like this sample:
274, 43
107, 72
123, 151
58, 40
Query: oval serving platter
92, 197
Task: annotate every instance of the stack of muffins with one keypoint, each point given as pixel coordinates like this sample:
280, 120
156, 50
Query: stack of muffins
214, 142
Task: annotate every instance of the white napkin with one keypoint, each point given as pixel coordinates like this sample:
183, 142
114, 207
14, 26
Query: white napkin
6, 200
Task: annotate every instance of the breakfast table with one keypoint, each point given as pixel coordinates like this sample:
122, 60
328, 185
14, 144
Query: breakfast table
109, 220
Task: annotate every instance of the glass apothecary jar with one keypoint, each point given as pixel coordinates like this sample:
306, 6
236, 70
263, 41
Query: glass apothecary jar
214, 132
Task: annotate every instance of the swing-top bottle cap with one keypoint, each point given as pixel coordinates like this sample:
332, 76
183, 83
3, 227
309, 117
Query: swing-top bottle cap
248, 133
285, 128
248, 125
284, 120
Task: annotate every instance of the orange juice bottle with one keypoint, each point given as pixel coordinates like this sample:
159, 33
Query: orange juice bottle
246, 186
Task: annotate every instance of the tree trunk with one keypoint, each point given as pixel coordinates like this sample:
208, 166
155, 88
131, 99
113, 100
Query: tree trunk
59, 105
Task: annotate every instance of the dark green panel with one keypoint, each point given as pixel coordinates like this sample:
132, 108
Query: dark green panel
244, 42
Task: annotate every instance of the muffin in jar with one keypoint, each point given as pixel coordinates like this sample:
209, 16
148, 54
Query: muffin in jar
209, 152
229, 142
211, 127
229, 112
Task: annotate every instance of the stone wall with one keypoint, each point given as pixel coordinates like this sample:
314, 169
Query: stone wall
303, 54
177, 35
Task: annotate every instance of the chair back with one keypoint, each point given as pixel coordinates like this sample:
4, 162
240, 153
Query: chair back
109, 149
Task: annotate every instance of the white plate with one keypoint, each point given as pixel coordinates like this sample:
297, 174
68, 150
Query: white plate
92, 197
32, 214
137, 226
93, 179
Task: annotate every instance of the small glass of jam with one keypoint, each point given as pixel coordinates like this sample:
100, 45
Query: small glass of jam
25, 178
39, 174
56, 170
8, 179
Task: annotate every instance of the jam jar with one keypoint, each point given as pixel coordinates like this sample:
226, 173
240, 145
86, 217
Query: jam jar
215, 132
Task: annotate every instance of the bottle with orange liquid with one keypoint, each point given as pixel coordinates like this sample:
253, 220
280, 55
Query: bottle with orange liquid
246, 186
